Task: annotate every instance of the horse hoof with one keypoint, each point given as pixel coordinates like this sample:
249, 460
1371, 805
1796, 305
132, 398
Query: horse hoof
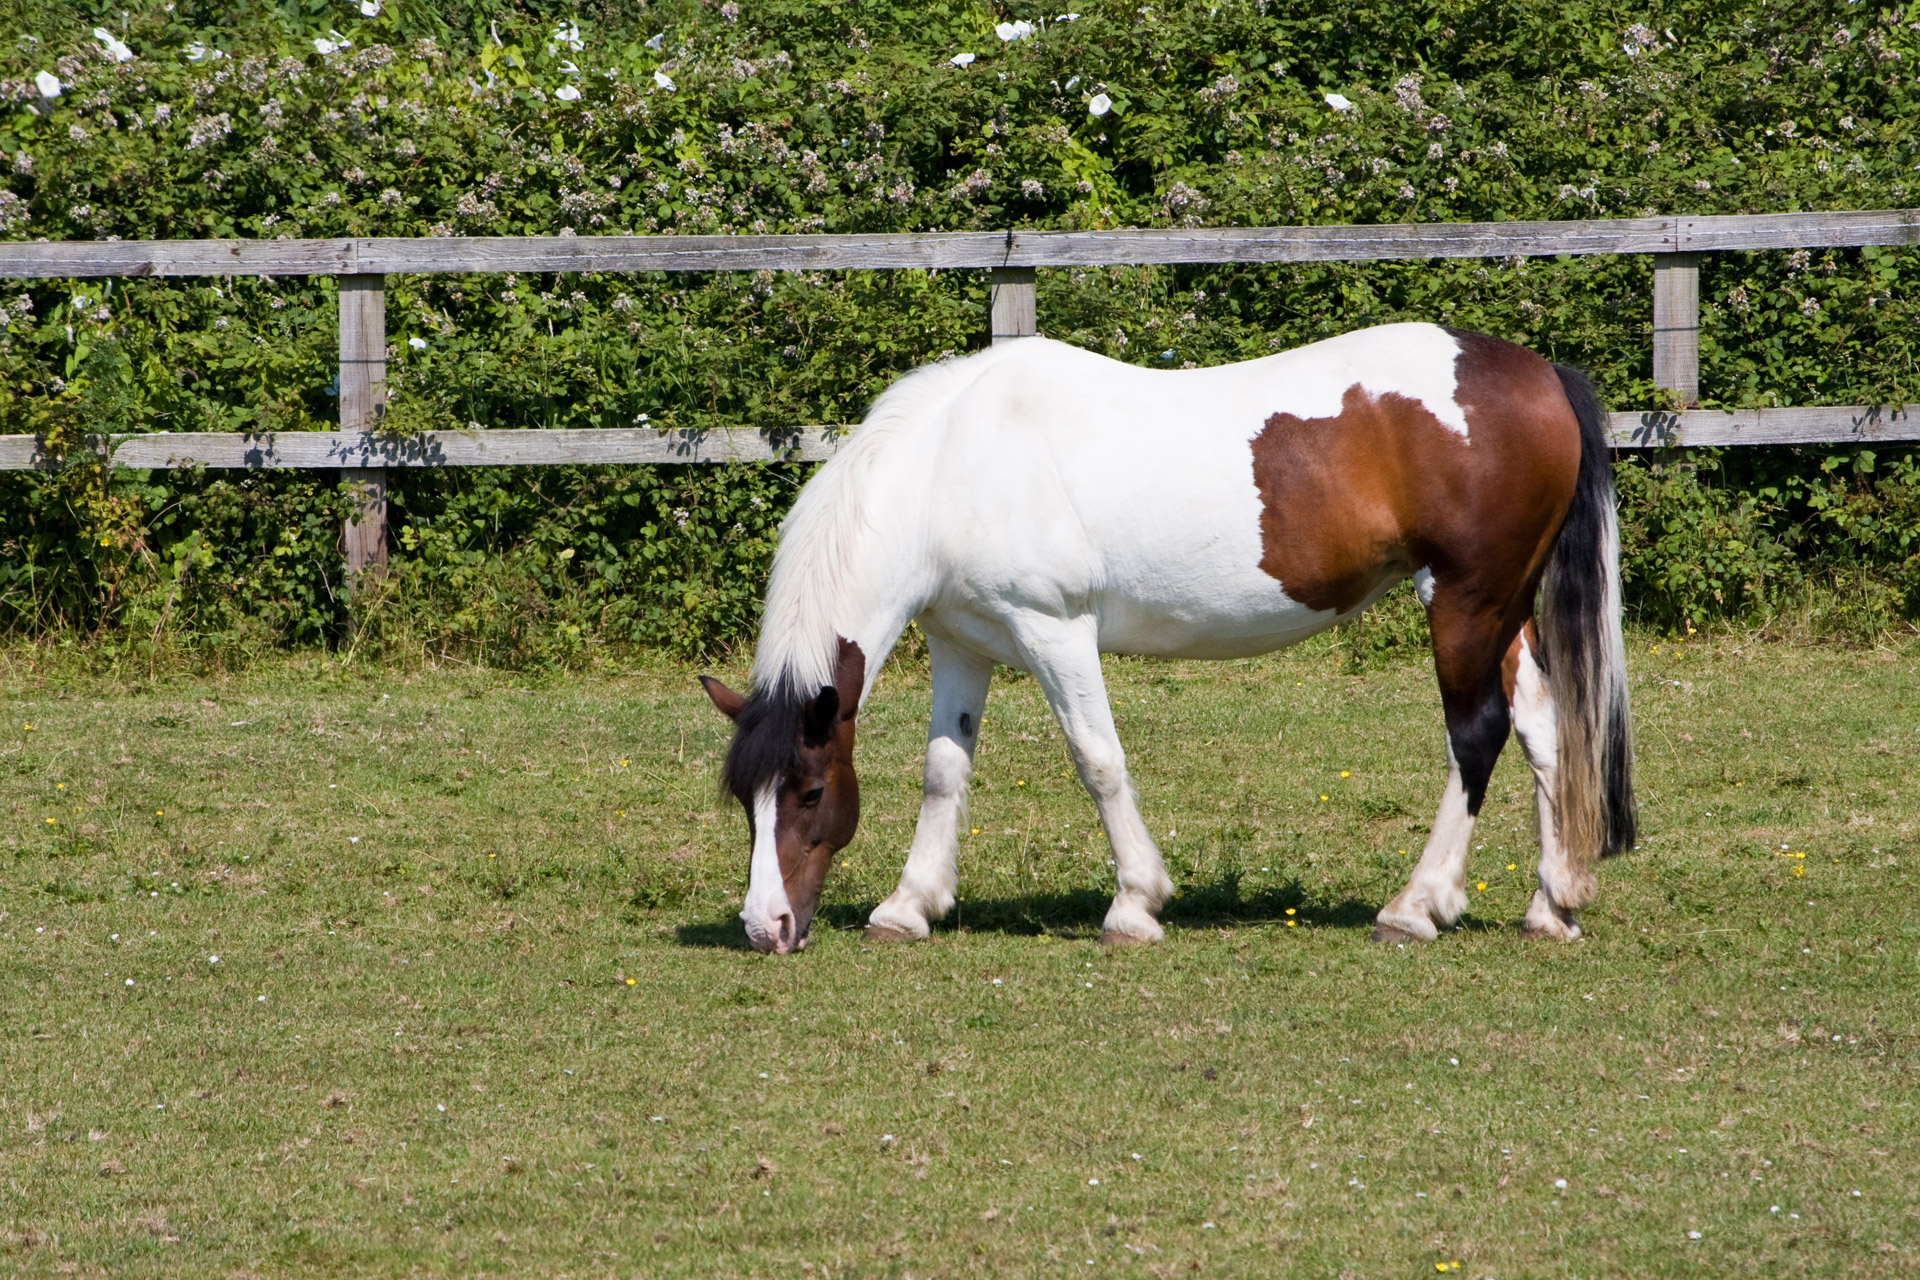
1115, 938
1393, 933
887, 933
1568, 932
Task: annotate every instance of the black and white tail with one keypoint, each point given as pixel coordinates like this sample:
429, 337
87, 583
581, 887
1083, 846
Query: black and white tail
1586, 655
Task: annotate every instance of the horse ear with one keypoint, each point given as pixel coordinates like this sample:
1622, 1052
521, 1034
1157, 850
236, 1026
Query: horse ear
816, 723
850, 677
728, 702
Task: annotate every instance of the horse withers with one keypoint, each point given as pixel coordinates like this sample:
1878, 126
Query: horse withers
1037, 505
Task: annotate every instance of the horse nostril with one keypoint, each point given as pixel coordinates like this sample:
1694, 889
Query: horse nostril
783, 932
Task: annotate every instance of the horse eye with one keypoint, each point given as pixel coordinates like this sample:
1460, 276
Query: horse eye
808, 799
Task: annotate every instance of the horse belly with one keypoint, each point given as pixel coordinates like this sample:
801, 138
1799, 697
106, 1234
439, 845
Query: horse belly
1180, 573
1221, 614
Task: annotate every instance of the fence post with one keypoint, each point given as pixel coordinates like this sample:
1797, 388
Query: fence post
1676, 324
363, 407
1015, 311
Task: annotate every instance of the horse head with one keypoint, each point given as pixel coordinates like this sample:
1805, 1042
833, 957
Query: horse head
791, 767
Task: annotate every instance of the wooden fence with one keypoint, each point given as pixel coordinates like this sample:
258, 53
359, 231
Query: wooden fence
363, 452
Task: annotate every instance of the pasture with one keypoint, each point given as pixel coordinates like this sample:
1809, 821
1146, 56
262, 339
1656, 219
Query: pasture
480, 1004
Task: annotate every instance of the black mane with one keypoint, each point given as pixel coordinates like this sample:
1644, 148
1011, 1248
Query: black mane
766, 741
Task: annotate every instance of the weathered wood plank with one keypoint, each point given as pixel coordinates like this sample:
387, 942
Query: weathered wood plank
1676, 324
1644, 429
1821, 424
503, 448
968, 249
24, 453
363, 407
76, 258
1016, 308
1813, 230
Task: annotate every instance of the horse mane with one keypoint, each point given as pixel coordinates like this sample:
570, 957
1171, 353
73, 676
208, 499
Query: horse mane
825, 567
766, 743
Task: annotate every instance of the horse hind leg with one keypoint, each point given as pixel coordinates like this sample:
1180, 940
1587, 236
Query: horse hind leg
928, 881
1466, 651
1550, 914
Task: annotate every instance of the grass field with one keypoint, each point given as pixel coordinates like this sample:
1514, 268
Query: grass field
481, 1005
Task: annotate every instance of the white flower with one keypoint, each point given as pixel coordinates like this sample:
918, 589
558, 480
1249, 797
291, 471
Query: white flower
1011, 31
1340, 102
1560, 1184
568, 34
569, 68
213, 959
331, 43
369, 8
1068, 17
353, 839
654, 43
418, 344
567, 93
961, 60
664, 80
48, 84
1100, 105
116, 50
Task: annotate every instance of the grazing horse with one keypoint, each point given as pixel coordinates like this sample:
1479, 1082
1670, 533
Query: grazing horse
1037, 505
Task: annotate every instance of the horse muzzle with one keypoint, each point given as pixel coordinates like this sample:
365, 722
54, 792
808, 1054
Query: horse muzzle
775, 933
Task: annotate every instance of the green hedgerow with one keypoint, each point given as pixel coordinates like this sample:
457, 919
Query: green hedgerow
309, 119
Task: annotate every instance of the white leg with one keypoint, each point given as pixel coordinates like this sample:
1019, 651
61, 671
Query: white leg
1065, 659
1550, 915
927, 882
1436, 893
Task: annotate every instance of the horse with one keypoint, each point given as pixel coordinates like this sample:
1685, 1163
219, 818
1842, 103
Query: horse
1037, 505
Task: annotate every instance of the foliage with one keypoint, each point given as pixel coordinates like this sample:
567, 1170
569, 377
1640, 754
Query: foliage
306, 119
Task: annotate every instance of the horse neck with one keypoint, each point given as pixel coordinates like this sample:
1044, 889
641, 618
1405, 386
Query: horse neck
848, 566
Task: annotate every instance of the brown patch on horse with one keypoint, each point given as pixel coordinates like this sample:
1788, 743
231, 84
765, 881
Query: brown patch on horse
1510, 664
1384, 487
1335, 494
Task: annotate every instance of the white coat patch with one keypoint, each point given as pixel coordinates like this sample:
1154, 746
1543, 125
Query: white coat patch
1412, 360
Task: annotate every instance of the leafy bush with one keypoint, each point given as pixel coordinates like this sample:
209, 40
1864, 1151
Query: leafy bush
462, 118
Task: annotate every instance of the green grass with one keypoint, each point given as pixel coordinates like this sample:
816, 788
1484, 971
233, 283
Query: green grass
481, 1003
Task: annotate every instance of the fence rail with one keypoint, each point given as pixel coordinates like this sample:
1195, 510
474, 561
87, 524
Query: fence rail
364, 453
958, 249
374, 450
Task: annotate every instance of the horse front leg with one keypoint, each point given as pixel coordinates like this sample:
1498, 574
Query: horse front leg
1065, 659
927, 883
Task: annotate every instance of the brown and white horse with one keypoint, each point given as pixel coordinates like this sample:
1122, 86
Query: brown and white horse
1037, 505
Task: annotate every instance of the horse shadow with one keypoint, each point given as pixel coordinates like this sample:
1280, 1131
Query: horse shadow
1226, 903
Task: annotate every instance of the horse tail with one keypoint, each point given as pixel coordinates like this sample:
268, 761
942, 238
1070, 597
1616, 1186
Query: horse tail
1586, 659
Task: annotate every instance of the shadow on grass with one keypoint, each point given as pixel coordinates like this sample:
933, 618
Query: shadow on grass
1222, 904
